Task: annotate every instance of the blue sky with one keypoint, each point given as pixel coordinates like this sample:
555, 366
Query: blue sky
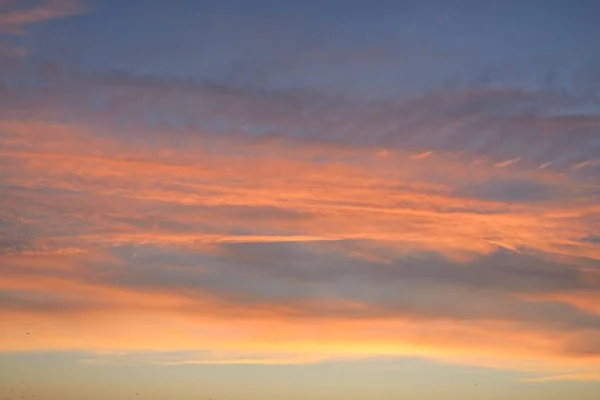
391, 47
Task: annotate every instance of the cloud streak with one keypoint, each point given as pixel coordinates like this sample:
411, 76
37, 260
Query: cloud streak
16, 16
15, 19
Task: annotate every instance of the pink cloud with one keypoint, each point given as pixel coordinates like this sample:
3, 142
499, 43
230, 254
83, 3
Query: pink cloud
14, 20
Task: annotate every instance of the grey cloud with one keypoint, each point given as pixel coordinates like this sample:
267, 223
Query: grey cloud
307, 279
536, 126
315, 280
503, 270
516, 190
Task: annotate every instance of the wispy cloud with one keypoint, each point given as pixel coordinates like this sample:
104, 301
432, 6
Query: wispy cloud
397, 228
16, 16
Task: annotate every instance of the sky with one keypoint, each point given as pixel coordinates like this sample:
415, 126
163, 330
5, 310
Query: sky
334, 199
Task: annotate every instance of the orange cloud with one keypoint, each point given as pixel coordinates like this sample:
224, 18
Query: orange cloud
272, 250
340, 200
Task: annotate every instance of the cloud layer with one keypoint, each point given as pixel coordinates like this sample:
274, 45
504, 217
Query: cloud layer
183, 222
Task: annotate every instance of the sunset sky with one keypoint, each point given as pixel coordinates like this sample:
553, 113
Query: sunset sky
299, 199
